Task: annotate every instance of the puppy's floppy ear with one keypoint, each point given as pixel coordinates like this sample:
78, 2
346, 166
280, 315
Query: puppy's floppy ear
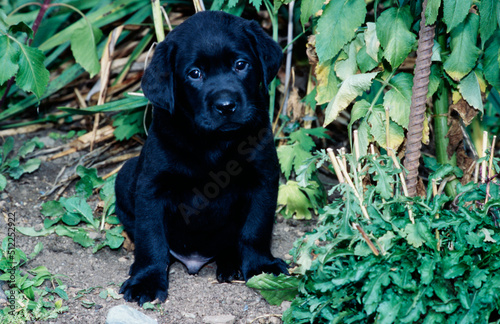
269, 52
158, 80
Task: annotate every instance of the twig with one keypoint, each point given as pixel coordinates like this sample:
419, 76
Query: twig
335, 164
360, 197
490, 171
403, 184
483, 164
366, 238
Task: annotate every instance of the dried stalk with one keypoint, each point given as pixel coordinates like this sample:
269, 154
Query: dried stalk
356, 193
483, 164
490, 171
366, 238
335, 164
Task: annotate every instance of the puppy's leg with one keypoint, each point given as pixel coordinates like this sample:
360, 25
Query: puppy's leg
229, 264
125, 189
255, 238
148, 279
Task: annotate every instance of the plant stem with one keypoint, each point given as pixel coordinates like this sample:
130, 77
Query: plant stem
36, 24
441, 107
272, 87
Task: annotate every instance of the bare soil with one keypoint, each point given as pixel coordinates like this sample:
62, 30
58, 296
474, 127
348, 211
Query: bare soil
190, 297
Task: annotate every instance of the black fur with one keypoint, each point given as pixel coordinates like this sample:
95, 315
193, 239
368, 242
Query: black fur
205, 185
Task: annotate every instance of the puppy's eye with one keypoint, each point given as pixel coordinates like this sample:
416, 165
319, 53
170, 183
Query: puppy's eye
241, 65
194, 74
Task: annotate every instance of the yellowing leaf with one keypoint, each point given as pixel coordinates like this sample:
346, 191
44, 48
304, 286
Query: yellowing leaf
328, 82
295, 200
352, 87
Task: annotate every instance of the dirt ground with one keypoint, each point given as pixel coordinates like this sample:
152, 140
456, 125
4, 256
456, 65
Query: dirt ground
190, 297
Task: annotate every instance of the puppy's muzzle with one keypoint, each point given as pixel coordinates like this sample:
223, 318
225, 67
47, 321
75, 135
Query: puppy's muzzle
225, 107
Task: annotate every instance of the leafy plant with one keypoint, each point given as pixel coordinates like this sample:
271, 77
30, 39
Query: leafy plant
33, 301
15, 166
295, 158
64, 216
435, 265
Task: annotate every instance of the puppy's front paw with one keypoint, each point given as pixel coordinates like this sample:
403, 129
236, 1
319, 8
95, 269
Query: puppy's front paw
146, 285
228, 273
268, 265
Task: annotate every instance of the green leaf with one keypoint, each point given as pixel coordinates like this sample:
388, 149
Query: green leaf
3, 182
286, 156
337, 26
487, 19
389, 308
365, 62
9, 56
52, 208
26, 148
256, 3
30, 231
79, 206
31, 165
91, 174
32, 75
114, 241
432, 11
7, 147
455, 11
471, 92
309, 8
434, 79
359, 110
373, 288
413, 234
371, 41
347, 65
351, 88
83, 46
21, 27
398, 98
464, 52
71, 219
378, 127
491, 60
295, 200
327, 82
83, 239
275, 289
393, 31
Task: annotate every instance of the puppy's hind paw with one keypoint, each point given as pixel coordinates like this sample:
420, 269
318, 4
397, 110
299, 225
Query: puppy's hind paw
274, 266
228, 274
146, 286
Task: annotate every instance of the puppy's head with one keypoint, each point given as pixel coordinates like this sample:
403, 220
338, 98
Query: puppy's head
214, 70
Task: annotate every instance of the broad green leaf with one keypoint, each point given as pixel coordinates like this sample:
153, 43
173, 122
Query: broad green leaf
7, 147
83, 239
31, 165
32, 75
337, 26
295, 200
21, 27
373, 288
83, 46
455, 11
52, 208
71, 219
327, 82
9, 56
371, 40
309, 8
114, 241
91, 173
432, 11
286, 157
359, 110
398, 98
365, 62
471, 92
26, 148
393, 31
487, 19
348, 65
3, 182
388, 309
413, 235
364, 137
464, 52
378, 130
275, 289
79, 206
351, 88
4, 26
491, 60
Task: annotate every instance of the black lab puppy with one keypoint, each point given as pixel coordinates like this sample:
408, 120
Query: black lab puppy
205, 185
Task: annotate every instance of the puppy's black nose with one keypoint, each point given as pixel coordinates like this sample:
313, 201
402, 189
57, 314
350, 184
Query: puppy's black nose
225, 107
